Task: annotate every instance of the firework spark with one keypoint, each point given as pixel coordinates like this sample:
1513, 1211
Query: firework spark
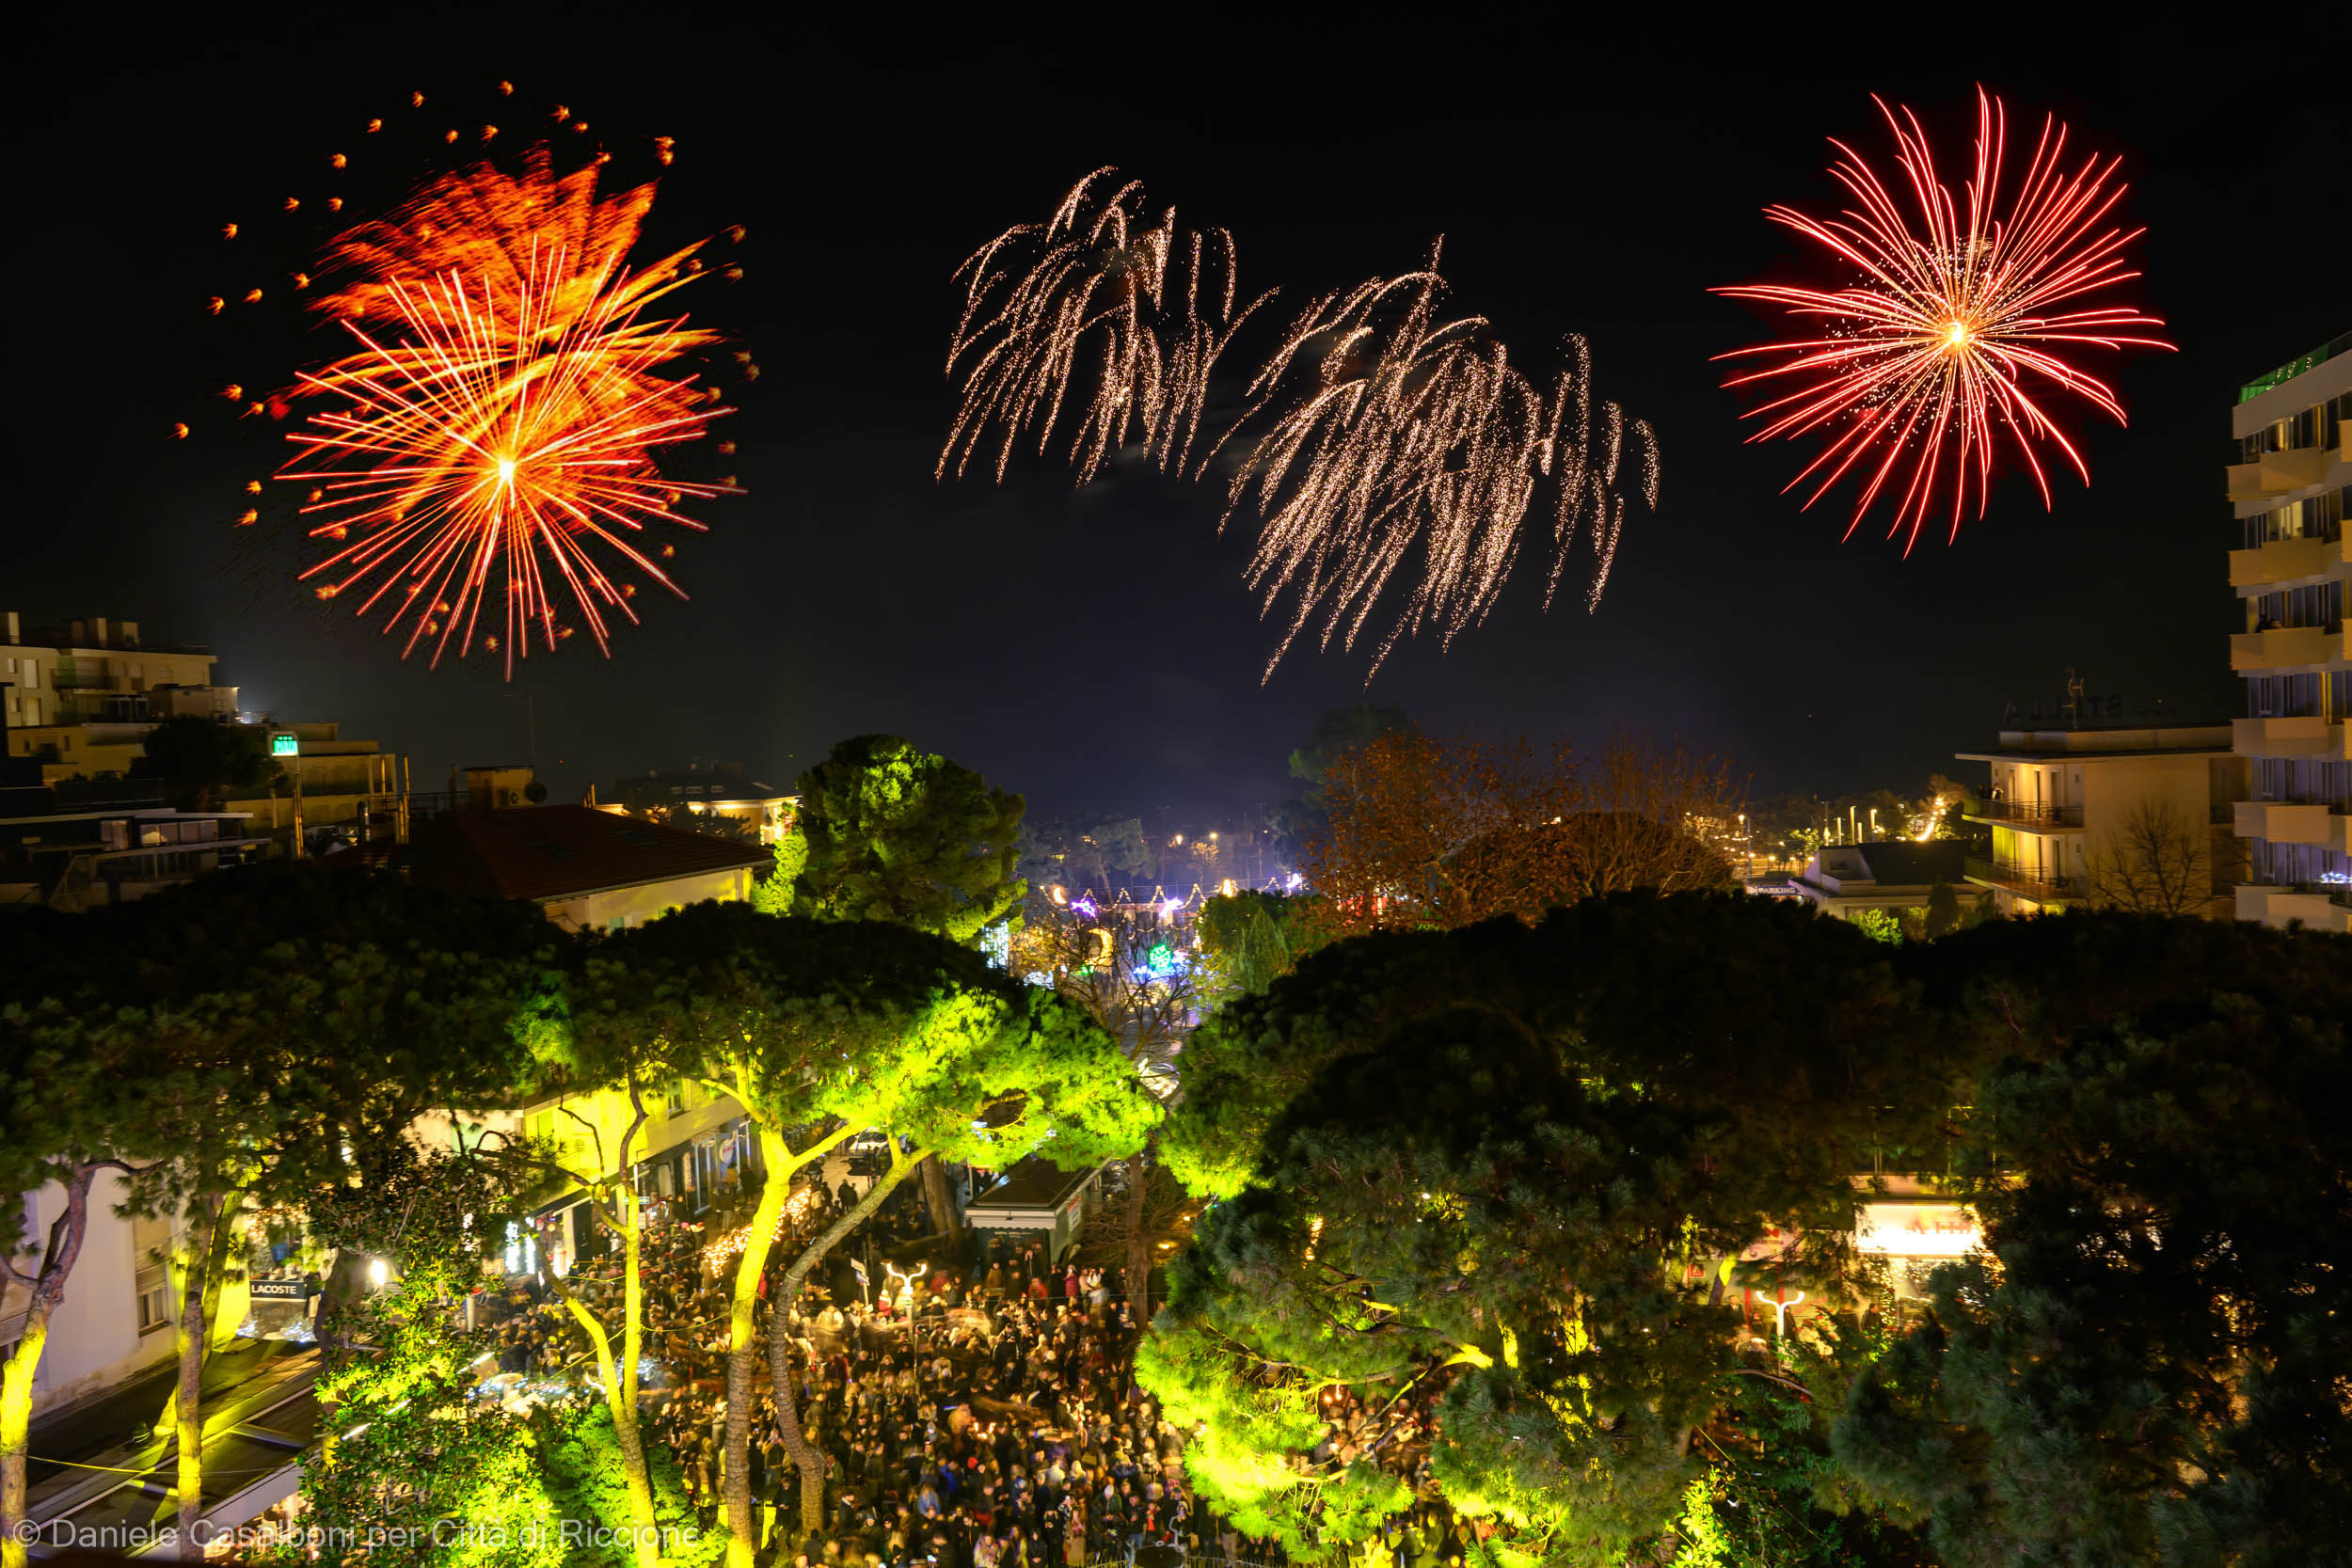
1142, 308
1953, 337
504, 427
501, 227
1393, 431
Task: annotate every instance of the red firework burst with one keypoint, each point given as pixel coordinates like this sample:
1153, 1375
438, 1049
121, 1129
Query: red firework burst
1953, 337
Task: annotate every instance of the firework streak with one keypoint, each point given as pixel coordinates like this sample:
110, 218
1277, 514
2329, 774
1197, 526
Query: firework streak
498, 417
1374, 433
1392, 431
1952, 335
1142, 308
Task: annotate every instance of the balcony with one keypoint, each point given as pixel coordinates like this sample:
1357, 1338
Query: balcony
2315, 908
2288, 648
2286, 821
2279, 473
2306, 736
2025, 881
2284, 560
2028, 815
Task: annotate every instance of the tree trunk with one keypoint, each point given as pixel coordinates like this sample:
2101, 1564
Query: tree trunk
1139, 1244
16, 1375
191, 1333
940, 1199
779, 1337
758, 1241
620, 1396
224, 1235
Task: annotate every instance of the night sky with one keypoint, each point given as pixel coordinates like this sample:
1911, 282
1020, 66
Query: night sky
1096, 648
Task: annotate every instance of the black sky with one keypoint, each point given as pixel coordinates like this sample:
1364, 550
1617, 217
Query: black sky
1097, 646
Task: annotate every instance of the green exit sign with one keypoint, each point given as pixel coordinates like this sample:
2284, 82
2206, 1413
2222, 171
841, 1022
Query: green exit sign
284, 746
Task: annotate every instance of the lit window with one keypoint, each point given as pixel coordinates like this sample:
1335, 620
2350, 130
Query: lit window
153, 1285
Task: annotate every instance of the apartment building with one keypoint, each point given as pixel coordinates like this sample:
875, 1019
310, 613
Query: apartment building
79, 698
2108, 811
2288, 480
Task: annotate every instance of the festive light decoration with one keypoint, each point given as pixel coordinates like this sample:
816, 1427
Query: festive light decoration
1952, 338
1161, 961
730, 1246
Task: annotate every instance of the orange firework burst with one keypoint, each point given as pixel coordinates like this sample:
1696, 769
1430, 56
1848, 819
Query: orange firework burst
501, 413
1957, 328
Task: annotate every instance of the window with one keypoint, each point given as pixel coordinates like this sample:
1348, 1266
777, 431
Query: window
2318, 516
2319, 604
675, 1101
153, 1285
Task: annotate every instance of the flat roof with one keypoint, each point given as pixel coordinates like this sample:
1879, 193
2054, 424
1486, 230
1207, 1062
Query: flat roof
1035, 1183
2092, 756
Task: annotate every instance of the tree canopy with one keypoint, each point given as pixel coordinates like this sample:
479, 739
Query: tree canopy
2147, 1362
1425, 832
1518, 1170
205, 760
893, 832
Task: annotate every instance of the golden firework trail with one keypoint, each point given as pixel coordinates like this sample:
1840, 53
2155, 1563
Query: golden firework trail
1118, 317
1393, 432
505, 427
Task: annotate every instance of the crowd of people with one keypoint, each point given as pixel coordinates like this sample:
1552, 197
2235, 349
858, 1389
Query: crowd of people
983, 1416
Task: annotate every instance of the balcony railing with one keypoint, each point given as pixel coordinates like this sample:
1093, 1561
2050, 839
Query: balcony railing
2032, 812
2294, 366
2027, 881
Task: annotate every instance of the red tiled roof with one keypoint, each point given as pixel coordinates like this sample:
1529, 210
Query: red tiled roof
562, 852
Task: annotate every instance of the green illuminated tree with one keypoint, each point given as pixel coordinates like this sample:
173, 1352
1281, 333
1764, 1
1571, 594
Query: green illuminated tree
1519, 1170
606, 1177
273, 1018
896, 833
67, 1117
901, 835
772, 893
826, 1029
1247, 940
403, 1441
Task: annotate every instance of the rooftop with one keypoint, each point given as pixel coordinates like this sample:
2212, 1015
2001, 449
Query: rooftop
2097, 740
562, 851
2296, 367
1894, 862
1035, 1183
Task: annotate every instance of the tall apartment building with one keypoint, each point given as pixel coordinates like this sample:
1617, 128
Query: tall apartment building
2288, 487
